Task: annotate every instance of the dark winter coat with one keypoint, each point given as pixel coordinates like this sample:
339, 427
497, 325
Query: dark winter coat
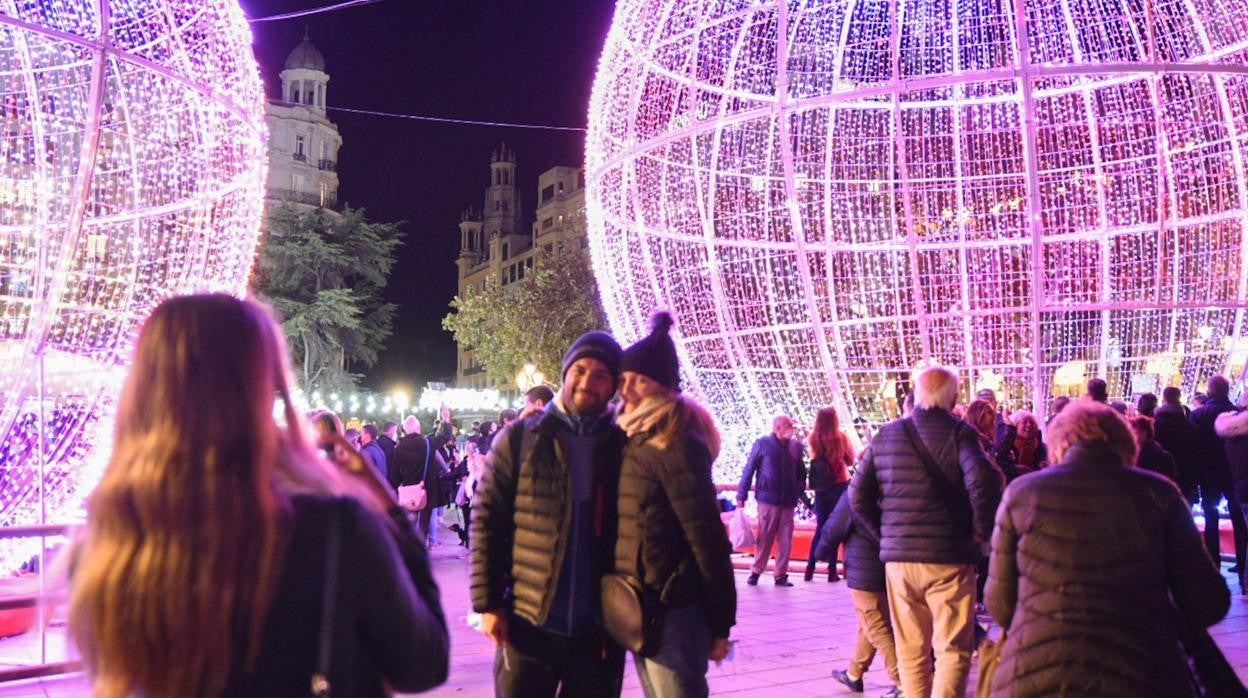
1085, 558
781, 473
408, 468
1156, 459
1175, 433
387, 446
1233, 427
389, 629
897, 500
863, 568
669, 519
521, 513
1208, 451
1006, 453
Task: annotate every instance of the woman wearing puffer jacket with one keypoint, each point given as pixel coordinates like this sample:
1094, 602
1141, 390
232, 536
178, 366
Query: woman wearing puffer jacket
670, 535
1087, 556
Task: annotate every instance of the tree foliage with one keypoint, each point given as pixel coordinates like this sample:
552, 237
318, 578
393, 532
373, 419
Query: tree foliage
324, 273
529, 321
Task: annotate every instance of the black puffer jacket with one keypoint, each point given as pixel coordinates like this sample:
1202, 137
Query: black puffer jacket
1085, 558
863, 569
898, 502
1208, 452
1175, 433
521, 513
669, 518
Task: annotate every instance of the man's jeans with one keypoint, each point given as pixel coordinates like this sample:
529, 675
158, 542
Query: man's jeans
933, 609
679, 668
775, 525
539, 664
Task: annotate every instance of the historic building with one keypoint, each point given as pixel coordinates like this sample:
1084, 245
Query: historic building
494, 244
303, 142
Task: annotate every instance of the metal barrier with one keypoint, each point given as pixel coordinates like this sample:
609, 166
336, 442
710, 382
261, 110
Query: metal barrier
42, 601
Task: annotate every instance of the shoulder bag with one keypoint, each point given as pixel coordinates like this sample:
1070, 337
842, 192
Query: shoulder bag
989, 658
329, 598
959, 506
416, 497
631, 614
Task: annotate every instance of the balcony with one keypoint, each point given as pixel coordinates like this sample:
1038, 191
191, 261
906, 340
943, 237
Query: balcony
326, 165
301, 157
303, 197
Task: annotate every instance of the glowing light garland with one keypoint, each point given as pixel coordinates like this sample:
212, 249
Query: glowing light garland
1024, 190
131, 168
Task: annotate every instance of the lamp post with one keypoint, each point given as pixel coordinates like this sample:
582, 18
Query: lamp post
401, 401
529, 377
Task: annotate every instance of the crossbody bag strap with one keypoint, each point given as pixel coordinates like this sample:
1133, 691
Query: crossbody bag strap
424, 479
329, 598
957, 508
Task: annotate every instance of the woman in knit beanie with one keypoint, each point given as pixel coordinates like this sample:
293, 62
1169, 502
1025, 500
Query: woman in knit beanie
671, 538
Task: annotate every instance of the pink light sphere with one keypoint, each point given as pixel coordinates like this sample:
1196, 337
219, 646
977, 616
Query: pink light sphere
132, 167
829, 194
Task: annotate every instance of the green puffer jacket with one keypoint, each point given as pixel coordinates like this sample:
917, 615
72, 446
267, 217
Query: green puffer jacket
521, 516
669, 519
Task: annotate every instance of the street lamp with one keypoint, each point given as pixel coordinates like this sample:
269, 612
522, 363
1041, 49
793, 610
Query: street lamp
529, 377
401, 401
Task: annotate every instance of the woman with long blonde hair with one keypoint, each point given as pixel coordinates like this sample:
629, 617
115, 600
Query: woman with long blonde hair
202, 569
831, 455
671, 539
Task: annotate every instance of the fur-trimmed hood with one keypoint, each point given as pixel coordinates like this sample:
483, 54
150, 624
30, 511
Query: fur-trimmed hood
1231, 424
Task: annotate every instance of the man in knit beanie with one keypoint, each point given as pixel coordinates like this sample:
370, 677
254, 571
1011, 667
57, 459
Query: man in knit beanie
543, 533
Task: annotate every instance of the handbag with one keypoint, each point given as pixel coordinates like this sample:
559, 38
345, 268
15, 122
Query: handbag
415, 497
631, 614
989, 658
329, 598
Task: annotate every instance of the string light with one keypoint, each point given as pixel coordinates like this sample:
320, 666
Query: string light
1025, 191
132, 167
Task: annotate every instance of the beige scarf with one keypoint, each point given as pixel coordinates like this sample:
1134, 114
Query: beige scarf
666, 417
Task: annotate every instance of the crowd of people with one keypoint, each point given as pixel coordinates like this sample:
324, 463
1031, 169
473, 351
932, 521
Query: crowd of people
234, 550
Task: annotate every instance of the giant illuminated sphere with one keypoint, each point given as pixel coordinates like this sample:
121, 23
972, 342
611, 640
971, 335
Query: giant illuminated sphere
131, 168
830, 193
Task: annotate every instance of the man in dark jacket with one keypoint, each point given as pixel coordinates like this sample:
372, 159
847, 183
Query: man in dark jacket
417, 460
388, 440
1173, 428
543, 534
926, 489
777, 461
1215, 483
864, 573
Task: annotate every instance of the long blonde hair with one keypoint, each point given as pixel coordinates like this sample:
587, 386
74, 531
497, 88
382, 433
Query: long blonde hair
174, 574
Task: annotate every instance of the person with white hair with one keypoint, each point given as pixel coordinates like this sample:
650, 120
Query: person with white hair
928, 492
1097, 572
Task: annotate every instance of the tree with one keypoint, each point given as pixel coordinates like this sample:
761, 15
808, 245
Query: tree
529, 321
324, 273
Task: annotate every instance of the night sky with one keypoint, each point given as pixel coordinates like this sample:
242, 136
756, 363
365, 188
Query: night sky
529, 61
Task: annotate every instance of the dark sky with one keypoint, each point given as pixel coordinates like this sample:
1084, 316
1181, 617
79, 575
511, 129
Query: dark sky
527, 61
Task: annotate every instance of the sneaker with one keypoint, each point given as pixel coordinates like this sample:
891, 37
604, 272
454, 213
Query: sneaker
894, 692
854, 685
783, 581
753, 580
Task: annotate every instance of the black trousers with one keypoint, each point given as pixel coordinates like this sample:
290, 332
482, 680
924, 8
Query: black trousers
539, 664
825, 502
1211, 492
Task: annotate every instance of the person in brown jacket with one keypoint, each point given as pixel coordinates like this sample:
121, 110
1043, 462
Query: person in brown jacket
1090, 559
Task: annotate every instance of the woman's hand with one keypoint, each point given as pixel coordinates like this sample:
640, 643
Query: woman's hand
719, 649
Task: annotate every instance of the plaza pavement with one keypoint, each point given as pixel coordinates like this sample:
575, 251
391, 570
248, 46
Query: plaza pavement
788, 641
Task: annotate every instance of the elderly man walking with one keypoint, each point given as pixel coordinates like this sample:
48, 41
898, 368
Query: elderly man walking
925, 488
776, 459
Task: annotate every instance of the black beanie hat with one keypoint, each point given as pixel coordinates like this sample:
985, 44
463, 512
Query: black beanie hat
654, 356
595, 345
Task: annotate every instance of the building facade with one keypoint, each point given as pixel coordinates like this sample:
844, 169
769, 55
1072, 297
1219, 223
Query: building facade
303, 142
494, 244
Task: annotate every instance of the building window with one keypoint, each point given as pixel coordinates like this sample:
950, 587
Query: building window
324, 194
548, 193
296, 183
506, 250
548, 249
561, 187
548, 223
529, 263
520, 271
300, 153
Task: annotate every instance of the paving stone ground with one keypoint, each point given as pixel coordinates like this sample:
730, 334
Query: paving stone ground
788, 641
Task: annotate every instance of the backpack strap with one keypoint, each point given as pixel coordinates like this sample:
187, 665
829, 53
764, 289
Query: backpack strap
959, 507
